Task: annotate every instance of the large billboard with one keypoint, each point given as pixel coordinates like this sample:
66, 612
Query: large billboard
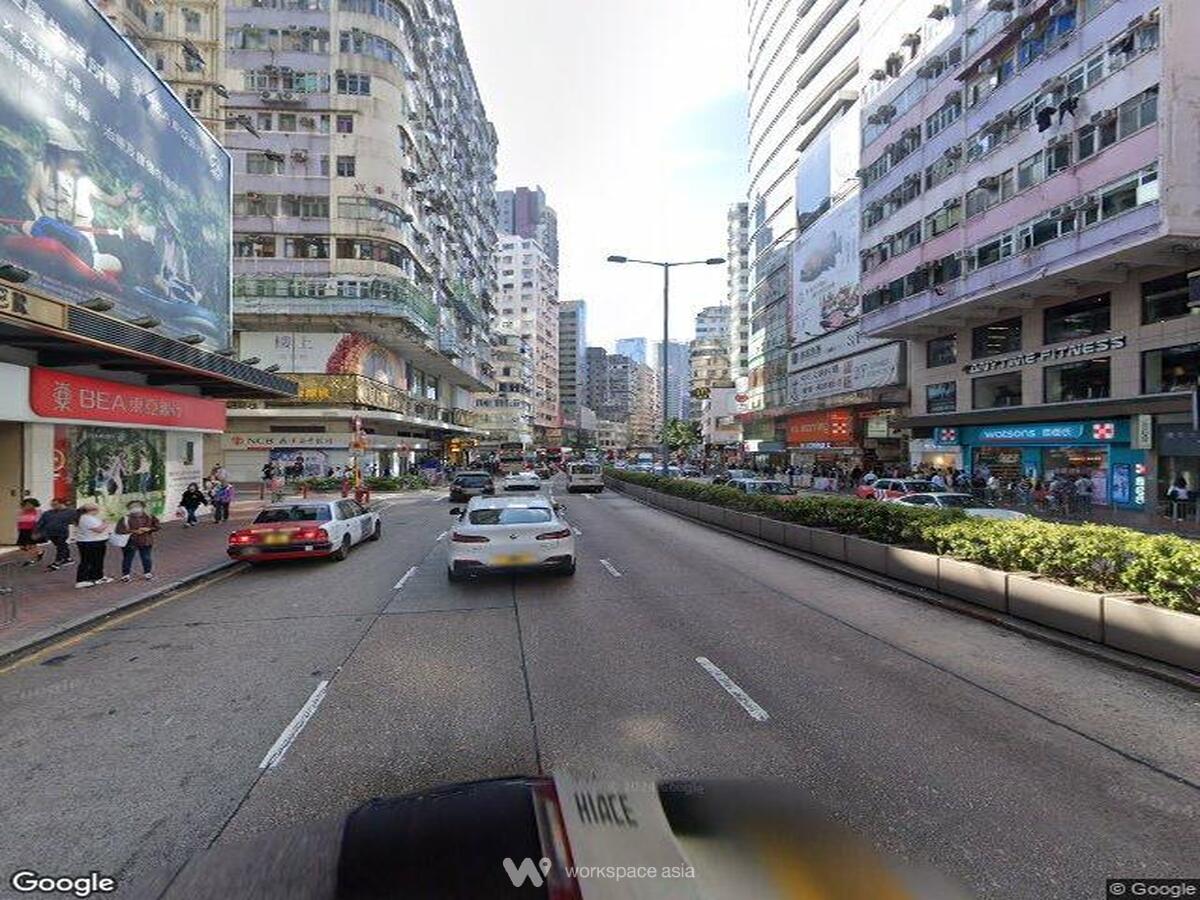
108, 186
881, 367
825, 273
328, 352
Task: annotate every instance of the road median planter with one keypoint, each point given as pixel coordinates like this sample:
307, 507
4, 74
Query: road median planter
1049, 603
743, 523
771, 530
868, 554
973, 583
798, 537
830, 544
1162, 634
913, 566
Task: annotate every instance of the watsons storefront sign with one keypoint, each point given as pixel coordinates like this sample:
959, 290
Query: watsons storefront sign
1050, 354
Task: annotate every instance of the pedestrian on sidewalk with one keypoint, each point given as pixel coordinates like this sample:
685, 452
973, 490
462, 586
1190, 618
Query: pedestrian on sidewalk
27, 537
92, 540
193, 498
55, 526
140, 526
222, 496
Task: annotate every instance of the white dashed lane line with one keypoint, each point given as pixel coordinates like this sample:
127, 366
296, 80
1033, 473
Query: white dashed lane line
612, 570
407, 575
755, 711
288, 736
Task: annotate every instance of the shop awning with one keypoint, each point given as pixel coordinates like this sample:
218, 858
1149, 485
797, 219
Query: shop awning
1157, 404
64, 335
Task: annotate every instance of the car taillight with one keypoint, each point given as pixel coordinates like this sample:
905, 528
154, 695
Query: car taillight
241, 537
468, 538
554, 535
312, 534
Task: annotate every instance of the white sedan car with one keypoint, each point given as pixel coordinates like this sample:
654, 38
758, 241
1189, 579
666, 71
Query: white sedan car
969, 504
527, 480
509, 533
304, 529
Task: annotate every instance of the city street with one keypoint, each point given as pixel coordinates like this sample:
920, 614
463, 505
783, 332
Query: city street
1019, 768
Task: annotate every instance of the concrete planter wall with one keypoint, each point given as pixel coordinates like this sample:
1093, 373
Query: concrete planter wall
744, 523
973, 583
828, 543
914, 566
798, 537
1065, 608
1162, 634
771, 530
868, 554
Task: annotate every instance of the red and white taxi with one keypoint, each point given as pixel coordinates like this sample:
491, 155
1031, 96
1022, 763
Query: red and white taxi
304, 529
891, 488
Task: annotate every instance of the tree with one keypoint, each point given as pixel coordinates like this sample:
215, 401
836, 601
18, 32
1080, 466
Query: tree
682, 435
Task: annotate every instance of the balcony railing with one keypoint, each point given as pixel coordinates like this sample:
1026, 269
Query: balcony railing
358, 390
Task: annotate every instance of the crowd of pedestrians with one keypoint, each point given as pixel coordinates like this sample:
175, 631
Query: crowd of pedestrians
133, 533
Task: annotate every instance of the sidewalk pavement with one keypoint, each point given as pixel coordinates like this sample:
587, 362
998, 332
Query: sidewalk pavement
44, 604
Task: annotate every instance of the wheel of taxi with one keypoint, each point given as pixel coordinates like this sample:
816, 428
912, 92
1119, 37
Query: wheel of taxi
344, 550
568, 569
452, 575
378, 532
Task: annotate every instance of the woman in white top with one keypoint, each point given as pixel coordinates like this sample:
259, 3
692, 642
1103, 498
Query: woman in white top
91, 536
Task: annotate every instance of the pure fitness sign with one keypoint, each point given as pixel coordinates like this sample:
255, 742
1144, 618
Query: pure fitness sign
1050, 354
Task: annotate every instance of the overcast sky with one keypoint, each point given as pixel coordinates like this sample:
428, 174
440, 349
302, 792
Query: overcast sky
631, 116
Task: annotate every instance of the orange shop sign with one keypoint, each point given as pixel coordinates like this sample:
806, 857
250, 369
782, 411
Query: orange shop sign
833, 426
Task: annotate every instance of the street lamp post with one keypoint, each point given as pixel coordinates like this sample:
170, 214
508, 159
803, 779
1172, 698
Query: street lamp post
666, 270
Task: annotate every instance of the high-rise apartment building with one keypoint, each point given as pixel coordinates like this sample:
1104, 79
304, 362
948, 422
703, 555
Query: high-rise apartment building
506, 415
712, 324
803, 78
523, 211
184, 42
644, 350
572, 359
596, 378
364, 213
737, 286
1031, 214
529, 307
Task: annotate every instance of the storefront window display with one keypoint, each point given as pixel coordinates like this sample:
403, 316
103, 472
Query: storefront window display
1073, 462
1171, 369
1003, 462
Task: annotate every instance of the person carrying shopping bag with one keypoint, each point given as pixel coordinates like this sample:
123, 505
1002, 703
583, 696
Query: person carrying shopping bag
91, 536
137, 529
193, 498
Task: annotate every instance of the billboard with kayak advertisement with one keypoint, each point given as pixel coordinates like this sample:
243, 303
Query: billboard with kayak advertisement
108, 187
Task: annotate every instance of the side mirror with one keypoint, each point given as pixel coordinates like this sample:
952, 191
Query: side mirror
456, 511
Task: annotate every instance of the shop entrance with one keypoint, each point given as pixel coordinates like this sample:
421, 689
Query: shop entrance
1073, 462
12, 475
1003, 462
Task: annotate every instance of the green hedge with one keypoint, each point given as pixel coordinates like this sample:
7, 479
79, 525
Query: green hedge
373, 482
1101, 558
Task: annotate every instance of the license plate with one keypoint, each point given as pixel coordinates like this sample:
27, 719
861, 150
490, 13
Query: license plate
276, 539
513, 559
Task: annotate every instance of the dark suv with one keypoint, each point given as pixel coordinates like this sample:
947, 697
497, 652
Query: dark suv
470, 484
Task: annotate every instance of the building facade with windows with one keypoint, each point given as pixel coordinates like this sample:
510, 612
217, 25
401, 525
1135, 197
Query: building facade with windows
183, 41
364, 223
1029, 222
572, 360
523, 211
529, 308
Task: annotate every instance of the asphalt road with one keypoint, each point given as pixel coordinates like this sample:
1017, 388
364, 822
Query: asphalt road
1023, 770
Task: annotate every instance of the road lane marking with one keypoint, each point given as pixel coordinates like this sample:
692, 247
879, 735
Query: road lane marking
747, 703
440, 536
590, 496
612, 570
407, 575
288, 736
576, 530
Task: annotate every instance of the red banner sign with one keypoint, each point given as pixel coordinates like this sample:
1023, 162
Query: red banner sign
61, 395
834, 426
